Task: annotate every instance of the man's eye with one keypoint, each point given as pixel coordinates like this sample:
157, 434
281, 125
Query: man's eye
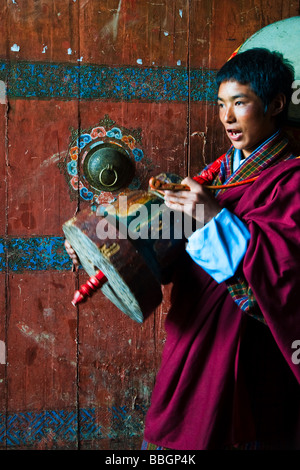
220, 105
238, 103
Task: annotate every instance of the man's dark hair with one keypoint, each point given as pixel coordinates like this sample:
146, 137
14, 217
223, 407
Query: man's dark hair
267, 73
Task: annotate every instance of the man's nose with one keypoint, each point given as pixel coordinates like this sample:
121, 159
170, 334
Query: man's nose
229, 115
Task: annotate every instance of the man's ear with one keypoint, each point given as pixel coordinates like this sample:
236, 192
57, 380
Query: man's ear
277, 105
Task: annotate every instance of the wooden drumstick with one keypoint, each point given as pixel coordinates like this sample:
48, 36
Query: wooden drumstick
158, 185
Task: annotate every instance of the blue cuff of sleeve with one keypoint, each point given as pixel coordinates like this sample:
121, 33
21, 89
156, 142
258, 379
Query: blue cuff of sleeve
220, 245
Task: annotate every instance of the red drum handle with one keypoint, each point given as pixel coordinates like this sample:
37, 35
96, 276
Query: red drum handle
86, 290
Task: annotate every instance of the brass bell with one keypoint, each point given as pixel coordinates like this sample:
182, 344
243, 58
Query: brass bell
108, 167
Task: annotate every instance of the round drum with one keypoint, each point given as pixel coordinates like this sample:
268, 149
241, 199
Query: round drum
134, 242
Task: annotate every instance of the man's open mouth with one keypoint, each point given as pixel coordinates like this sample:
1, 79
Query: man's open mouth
234, 134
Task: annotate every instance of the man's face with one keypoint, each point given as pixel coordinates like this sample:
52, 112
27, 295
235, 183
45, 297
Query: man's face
242, 114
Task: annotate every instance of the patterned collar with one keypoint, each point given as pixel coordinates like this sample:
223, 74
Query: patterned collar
272, 151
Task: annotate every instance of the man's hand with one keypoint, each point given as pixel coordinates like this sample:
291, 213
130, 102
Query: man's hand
186, 201
72, 254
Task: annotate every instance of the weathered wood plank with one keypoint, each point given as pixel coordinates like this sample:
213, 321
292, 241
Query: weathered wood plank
3, 356
38, 134
235, 21
41, 356
116, 370
41, 330
134, 32
3, 166
43, 31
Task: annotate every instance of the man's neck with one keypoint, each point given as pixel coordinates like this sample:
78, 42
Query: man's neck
245, 155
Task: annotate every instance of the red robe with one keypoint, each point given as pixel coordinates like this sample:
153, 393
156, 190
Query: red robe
226, 378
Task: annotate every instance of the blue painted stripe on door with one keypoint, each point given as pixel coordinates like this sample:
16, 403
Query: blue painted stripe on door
89, 82
33, 254
29, 428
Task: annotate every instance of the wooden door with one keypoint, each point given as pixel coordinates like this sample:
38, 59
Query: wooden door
80, 378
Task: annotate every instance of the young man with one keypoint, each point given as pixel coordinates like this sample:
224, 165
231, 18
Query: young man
230, 370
